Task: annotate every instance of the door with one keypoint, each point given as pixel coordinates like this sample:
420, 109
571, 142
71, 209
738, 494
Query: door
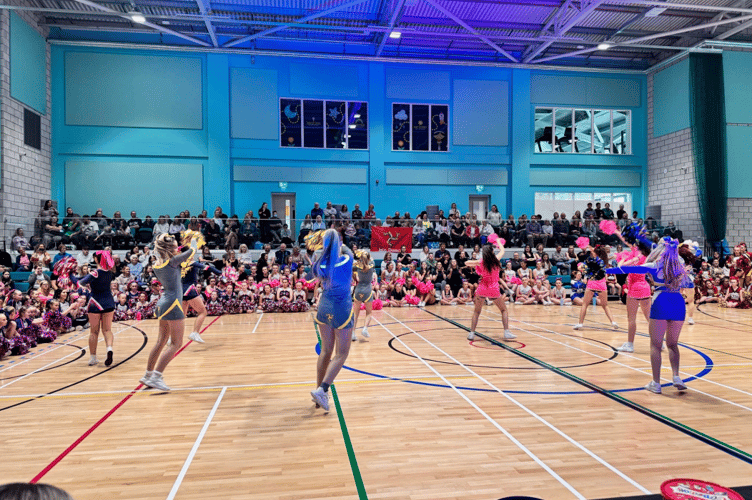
479, 204
284, 205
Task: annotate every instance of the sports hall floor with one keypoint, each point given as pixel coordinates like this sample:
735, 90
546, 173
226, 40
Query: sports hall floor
418, 413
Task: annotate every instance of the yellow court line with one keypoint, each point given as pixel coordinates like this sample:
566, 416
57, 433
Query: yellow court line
147, 392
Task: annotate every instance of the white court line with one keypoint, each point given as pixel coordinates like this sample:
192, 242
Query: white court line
488, 417
200, 437
531, 413
622, 364
257, 323
57, 360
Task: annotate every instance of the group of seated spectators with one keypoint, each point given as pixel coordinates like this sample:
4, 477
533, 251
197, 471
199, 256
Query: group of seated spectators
255, 229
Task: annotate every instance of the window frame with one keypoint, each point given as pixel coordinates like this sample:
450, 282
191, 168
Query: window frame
573, 110
301, 101
410, 127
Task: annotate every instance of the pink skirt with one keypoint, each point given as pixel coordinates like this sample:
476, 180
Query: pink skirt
596, 285
637, 287
488, 292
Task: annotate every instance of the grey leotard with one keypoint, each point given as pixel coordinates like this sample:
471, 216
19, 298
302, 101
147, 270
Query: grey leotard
363, 291
169, 306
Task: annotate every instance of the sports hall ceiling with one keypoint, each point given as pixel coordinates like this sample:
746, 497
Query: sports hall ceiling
639, 33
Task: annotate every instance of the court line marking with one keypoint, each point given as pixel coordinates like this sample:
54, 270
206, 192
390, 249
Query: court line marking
359, 485
709, 440
80, 336
628, 356
531, 413
58, 360
493, 422
187, 464
257, 323
91, 429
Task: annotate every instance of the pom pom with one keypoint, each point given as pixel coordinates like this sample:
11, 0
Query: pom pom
274, 283
377, 305
582, 242
608, 226
401, 281
494, 239
515, 281
412, 300
362, 306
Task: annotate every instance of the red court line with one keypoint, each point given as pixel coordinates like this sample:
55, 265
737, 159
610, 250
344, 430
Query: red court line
103, 419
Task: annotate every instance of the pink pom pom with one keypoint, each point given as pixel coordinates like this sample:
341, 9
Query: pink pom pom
412, 299
515, 281
494, 239
401, 281
377, 305
608, 226
582, 242
362, 306
274, 283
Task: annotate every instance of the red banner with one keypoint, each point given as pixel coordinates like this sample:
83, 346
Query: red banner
391, 238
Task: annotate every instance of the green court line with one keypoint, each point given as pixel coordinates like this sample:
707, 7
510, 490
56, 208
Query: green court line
346, 435
700, 436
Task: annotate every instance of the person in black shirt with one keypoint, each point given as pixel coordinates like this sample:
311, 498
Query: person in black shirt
404, 258
282, 255
275, 227
598, 212
461, 256
620, 213
439, 254
264, 215
458, 233
356, 214
454, 277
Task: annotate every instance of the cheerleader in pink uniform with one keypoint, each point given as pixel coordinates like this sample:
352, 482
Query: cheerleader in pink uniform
488, 269
639, 292
596, 285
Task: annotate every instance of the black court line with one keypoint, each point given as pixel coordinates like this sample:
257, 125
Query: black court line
81, 354
715, 443
146, 339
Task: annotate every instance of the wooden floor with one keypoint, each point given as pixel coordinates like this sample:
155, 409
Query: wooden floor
421, 413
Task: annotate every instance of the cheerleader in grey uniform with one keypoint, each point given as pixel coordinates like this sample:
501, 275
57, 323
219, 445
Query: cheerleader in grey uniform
363, 292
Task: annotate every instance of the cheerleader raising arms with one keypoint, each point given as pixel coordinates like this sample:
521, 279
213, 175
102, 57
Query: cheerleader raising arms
596, 285
488, 267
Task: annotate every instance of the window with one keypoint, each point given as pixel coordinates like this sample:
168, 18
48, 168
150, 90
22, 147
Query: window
311, 123
588, 131
420, 127
32, 129
546, 203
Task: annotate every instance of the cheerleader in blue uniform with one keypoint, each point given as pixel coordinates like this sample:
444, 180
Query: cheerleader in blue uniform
333, 268
101, 304
668, 310
191, 296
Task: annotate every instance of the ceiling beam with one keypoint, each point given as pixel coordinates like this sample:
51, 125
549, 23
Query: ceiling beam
649, 37
205, 8
561, 27
285, 26
151, 25
472, 30
396, 13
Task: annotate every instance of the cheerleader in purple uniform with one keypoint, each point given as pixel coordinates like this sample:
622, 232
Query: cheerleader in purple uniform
596, 285
299, 302
101, 304
192, 299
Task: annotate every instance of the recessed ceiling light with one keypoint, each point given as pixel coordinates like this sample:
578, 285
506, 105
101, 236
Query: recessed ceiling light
395, 34
604, 46
166, 22
137, 17
580, 46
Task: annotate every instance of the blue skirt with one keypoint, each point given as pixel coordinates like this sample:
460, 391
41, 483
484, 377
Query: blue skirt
338, 315
668, 306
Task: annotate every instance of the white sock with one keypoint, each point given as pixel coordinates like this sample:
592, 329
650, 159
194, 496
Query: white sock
148, 374
109, 349
156, 374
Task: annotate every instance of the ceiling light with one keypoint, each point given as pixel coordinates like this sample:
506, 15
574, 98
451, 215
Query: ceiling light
604, 46
136, 17
395, 34
580, 47
655, 12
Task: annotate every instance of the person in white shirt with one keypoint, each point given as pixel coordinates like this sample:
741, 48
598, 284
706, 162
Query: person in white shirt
494, 217
487, 230
330, 213
85, 257
425, 253
161, 227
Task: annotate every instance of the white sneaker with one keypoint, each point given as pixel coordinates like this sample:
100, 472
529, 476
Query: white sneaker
691, 321
146, 378
196, 338
79, 328
354, 337
509, 335
578, 326
157, 382
626, 347
679, 384
93, 361
653, 387
615, 325
321, 398
519, 302
364, 332
471, 336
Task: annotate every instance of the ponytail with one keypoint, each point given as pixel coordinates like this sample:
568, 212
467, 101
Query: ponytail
323, 268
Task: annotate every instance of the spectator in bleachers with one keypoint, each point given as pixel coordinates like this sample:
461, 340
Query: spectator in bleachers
84, 257
231, 229
370, 214
494, 218
589, 211
548, 231
70, 215
621, 212
99, 218
177, 227
319, 224
282, 255
608, 214
135, 268
161, 227
520, 231
472, 234
40, 257
220, 218
23, 263
47, 211
52, 232
356, 215
457, 233
673, 232
19, 241
330, 212
623, 220
317, 211
275, 227
148, 223
444, 231
598, 216
419, 236
560, 259
561, 230
264, 214
453, 210
534, 232
590, 230
123, 238
344, 212
212, 233
62, 253
486, 230
248, 233
36, 277
134, 223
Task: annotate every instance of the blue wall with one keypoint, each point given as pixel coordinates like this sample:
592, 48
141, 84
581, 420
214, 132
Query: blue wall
671, 99
229, 126
28, 65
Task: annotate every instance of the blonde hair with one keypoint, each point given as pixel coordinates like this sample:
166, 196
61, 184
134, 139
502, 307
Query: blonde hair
163, 246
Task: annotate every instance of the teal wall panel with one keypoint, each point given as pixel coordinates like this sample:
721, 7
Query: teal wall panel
481, 113
28, 65
585, 178
148, 188
325, 80
738, 140
671, 99
128, 90
408, 85
737, 66
595, 90
253, 103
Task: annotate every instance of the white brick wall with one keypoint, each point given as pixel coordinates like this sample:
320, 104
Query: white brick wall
25, 170
739, 221
671, 176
